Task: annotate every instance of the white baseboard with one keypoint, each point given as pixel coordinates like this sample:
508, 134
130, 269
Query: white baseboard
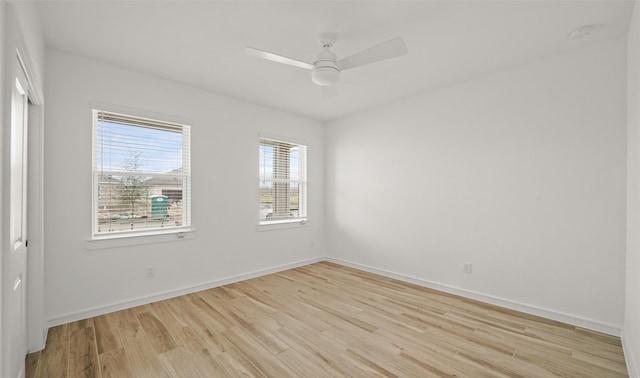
610, 329
101, 310
42, 343
630, 356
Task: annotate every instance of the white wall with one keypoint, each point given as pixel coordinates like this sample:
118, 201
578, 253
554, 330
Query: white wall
32, 39
521, 173
224, 138
631, 332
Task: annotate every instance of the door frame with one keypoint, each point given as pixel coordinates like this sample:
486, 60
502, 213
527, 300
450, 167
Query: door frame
36, 322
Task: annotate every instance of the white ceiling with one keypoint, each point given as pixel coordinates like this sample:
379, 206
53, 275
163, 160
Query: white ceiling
201, 43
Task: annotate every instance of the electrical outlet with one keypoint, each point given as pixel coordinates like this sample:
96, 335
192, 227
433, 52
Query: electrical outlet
467, 267
312, 244
150, 271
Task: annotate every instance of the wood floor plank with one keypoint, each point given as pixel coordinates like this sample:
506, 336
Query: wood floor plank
211, 305
166, 314
83, 353
239, 364
80, 324
141, 356
157, 334
114, 364
199, 326
430, 368
560, 364
340, 314
314, 340
247, 312
31, 364
142, 308
210, 315
314, 348
203, 352
124, 319
324, 320
178, 363
54, 359
603, 362
259, 356
107, 338
367, 365
303, 366
600, 337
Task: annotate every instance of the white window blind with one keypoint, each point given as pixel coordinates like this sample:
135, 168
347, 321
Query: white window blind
141, 174
283, 181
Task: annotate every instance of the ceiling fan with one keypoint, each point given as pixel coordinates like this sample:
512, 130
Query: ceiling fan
325, 71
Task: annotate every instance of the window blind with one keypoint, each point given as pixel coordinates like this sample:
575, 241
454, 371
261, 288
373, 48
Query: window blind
283, 181
141, 174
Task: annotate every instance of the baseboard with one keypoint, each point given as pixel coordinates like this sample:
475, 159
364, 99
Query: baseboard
630, 356
43, 340
591, 324
101, 310
609, 329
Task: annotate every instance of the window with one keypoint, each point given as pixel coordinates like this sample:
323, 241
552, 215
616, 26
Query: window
283, 181
141, 175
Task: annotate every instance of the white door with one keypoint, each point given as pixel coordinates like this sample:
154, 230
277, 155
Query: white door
16, 259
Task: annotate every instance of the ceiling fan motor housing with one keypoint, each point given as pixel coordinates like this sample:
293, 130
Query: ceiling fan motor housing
325, 72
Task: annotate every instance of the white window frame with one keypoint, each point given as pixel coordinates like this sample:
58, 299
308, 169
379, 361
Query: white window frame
303, 185
146, 235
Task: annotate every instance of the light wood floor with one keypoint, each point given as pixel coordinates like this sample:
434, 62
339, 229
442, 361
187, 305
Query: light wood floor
324, 320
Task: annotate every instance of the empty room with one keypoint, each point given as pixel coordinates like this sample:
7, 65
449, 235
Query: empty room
320, 188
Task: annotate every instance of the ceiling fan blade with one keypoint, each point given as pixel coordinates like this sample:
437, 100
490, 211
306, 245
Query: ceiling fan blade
276, 58
386, 50
329, 92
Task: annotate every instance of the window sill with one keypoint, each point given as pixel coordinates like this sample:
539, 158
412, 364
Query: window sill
283, 224
115, 241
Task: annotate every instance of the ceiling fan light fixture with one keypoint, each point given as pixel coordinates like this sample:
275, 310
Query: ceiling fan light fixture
325, 71
325, 76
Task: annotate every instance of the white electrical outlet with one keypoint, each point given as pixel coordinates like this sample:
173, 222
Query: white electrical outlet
150, 271
467, 267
